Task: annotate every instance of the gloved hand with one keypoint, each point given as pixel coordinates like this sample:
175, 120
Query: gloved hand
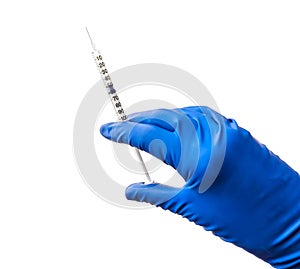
235, 187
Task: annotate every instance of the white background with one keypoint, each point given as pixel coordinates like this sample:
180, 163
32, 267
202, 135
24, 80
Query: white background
245, 52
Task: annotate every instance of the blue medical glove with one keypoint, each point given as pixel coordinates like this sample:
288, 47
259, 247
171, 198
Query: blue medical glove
235, 187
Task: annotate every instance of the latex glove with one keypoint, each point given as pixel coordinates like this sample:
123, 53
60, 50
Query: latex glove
235, 187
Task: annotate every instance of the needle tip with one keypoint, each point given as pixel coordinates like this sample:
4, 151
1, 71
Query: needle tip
93, 44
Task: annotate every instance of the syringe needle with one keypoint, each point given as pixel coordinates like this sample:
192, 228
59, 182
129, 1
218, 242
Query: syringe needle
92, 42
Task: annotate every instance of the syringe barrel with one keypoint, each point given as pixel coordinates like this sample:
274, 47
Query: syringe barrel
102, 70
115, 100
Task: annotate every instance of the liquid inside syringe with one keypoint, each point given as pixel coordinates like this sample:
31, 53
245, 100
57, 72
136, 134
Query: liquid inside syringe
114, 98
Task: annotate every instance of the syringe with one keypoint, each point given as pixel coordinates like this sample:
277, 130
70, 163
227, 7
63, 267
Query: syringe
114, 98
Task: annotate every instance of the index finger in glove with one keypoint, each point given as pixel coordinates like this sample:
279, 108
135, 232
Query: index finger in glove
145, 136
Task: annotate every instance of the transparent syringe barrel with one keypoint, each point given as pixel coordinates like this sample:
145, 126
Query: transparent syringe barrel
114, 98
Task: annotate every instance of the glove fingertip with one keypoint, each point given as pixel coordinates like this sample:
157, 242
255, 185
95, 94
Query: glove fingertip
105, 130
133, 191
130, 191
153, 193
